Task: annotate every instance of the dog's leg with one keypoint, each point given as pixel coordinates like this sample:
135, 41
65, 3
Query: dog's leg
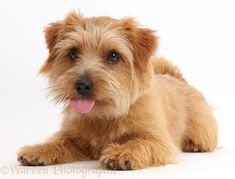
202, 133
138, 153
59, 149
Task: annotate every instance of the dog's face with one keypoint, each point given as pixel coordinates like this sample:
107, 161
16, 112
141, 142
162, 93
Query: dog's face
99, 66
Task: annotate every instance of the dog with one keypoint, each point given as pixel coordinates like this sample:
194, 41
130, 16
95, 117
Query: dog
123, 105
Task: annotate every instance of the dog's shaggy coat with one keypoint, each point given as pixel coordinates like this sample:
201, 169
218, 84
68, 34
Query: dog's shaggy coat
144, 110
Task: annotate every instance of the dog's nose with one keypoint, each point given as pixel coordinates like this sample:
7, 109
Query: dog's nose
84, 87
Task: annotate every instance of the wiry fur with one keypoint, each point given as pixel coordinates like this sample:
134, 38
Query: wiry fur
144, 112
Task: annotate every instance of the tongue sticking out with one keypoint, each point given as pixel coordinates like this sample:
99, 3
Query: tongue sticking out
82, 105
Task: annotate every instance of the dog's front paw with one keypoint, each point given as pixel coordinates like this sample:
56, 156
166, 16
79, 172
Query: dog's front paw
37, 155
117, 157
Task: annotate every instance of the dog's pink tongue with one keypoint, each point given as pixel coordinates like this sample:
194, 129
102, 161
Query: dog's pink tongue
82, 105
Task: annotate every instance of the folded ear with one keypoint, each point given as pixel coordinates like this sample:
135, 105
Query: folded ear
55, 32
143, 41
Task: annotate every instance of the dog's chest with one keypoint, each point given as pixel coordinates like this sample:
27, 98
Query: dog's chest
101, 133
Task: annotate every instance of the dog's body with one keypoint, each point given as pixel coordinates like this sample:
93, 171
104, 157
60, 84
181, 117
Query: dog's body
135, 111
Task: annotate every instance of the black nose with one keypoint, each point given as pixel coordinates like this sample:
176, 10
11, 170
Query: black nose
84, 87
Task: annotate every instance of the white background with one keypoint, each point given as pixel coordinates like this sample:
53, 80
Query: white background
198, 36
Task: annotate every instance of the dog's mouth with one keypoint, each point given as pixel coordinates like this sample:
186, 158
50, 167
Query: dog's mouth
82, 105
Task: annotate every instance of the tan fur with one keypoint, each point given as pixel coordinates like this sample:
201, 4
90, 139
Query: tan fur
144, 112
163, 66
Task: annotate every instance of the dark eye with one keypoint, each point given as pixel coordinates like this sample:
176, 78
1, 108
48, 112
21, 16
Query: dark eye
113, 57
73, 53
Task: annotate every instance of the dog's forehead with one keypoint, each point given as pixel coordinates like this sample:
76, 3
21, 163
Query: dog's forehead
102, 21
98, 32
99, 26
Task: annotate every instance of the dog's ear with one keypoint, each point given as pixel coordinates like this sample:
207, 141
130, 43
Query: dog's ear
55, 32
143, 42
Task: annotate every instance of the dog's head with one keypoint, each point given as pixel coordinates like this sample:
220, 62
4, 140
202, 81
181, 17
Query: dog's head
99, 66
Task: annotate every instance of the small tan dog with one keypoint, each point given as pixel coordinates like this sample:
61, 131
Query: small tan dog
123, 106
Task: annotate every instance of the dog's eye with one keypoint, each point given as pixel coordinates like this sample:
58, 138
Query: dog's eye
73, 53
113, 57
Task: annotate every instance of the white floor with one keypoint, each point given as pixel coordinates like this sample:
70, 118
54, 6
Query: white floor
219, 164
